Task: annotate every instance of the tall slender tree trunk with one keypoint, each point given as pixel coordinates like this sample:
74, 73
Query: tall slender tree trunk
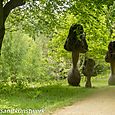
2, 27
4, 12
2, 32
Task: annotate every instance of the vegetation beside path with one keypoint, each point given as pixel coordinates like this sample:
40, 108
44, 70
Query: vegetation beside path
47, 96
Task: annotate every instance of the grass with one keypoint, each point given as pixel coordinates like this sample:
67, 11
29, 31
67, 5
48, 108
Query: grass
47, 96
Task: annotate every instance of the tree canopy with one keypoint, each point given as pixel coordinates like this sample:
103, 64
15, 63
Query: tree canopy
44, 25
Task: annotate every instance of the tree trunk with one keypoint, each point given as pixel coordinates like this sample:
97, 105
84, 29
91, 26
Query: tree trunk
2, 28
4, 12
2, 32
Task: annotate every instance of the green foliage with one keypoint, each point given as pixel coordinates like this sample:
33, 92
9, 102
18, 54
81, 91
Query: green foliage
97, 39
12, 56
21, 59
35, 53
110, 19
47, 96
37, 17
54, 18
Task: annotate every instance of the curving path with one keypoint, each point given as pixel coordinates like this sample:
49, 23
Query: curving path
101, 103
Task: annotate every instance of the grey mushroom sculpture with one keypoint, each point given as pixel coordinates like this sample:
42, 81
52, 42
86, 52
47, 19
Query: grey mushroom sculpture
75, 43
88, 71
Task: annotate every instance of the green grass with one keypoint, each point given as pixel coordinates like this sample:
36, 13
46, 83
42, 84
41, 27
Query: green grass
48, 96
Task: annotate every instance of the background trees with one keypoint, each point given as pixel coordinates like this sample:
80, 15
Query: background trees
35, 34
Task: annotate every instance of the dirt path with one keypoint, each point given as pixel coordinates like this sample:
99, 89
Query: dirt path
102, 103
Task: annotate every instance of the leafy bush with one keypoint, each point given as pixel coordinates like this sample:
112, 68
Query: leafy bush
22, 59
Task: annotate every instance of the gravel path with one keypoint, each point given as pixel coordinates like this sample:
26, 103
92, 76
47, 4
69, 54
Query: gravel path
101, 103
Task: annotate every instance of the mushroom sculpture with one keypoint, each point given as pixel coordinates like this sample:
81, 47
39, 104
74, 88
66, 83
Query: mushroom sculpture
75, 43
110, 58
88, 71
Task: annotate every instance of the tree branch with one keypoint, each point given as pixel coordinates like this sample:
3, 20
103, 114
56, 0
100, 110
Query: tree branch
11, 5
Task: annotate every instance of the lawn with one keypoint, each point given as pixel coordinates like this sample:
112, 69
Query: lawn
47, 96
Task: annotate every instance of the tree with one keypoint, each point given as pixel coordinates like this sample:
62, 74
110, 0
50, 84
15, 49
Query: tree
5, 9
40, 8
